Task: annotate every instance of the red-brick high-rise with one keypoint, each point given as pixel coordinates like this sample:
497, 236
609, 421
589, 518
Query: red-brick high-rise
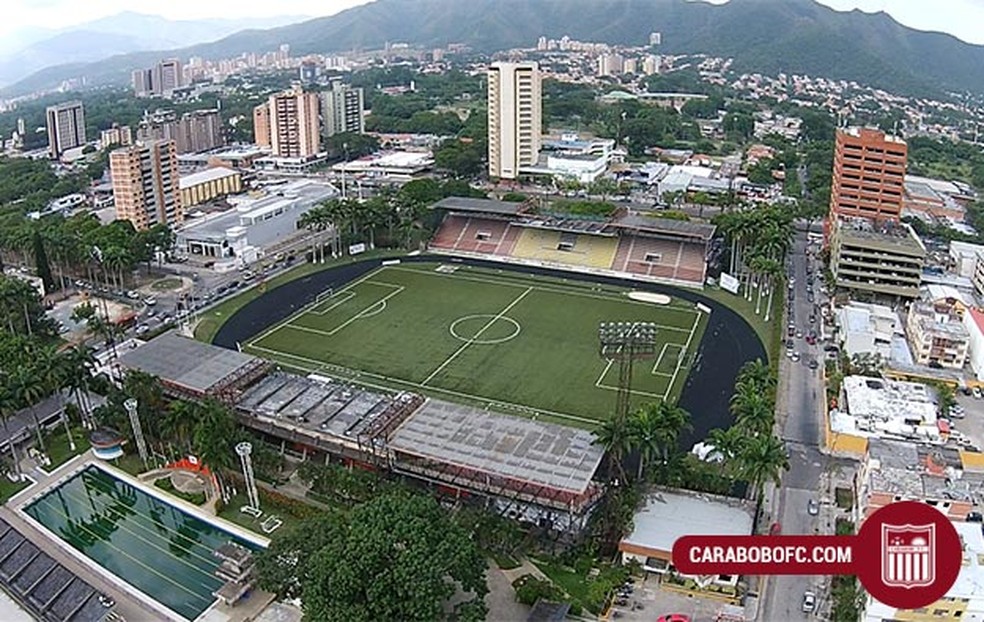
869, 172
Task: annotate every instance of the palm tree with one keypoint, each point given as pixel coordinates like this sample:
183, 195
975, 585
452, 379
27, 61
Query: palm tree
764, 459
758, 373
755, 415
614, 436
8, 406
28, 389
50, 369
730, 444
78, 364
180, 418
654, 430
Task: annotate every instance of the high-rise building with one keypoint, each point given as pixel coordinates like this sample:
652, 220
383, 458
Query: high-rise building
655, 38
261, 125
294, 124
869, 172
514, 117
341, 110
171, 76
66, 127
118, 135
200, 130
145, 184
145, 83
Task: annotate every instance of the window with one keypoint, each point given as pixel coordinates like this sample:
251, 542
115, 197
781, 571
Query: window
565, 246
653, 257
483, 236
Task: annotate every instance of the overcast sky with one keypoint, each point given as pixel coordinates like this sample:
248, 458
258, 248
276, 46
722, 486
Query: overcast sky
962, 18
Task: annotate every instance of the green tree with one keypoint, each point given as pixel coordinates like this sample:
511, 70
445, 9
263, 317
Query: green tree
654, 430
764, 459
616, 437
396, 557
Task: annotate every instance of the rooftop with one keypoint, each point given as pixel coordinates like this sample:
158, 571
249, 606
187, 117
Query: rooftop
188, 364
669, 515
481, 206
555, 456
887, 408
43, 586
321, 407
938, 322
202, 177
894, 237
647, 224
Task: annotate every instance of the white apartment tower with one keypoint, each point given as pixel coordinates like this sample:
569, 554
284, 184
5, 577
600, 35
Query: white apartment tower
66, 127
514, 118
341, 110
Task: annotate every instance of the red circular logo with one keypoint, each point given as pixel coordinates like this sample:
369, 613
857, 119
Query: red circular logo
918, 555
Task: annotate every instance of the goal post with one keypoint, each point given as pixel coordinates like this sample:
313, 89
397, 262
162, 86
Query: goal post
325, 295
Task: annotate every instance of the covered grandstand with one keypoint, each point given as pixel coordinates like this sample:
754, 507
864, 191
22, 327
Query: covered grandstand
528, 470
624, 244
195, 370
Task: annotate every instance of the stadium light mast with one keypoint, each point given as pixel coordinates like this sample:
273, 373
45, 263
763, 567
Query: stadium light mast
131, 409
243, 450
623, 343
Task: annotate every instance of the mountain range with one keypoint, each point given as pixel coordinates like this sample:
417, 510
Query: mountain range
793, 36
125, 32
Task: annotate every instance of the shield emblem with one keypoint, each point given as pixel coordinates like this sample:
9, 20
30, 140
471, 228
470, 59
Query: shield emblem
908, 555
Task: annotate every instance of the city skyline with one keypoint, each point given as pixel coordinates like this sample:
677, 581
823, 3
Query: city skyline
956, 17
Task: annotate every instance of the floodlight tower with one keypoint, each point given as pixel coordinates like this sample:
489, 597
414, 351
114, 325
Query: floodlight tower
131, 409
623, 343
243, 450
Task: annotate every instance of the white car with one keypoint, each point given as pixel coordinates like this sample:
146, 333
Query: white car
976, 392
809, 601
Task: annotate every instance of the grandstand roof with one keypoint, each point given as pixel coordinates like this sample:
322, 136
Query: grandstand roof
195, 366
482, 206
548, 454
647, 224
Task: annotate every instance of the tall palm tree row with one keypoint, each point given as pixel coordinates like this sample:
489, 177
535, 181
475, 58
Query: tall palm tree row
759, 238
652, 431
749, 448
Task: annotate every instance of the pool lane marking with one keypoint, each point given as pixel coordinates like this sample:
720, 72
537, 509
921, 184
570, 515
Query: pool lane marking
121, 551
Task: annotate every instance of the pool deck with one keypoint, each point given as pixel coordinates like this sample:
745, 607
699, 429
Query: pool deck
132, 605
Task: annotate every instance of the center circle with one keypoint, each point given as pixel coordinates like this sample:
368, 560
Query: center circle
484, 329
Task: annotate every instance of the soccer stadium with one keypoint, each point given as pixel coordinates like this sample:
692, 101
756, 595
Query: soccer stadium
475, 368
503, 340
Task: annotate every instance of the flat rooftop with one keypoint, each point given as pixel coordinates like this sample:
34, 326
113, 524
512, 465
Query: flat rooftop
324, 407
480, 206
191, 364
647, 224
669, 515
43, 586
555, 456
202, 177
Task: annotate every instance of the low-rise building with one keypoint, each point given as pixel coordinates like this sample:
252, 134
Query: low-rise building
878, 407
573, 158
210, 184
393, 165
864, 328
974, 323
882, 258
964, 601
659, 523
965, 257
894, 470
937, 335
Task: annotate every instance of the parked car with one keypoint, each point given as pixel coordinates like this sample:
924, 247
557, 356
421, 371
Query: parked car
150, 302
775, 529
142, 329
809, 601
976, 392
812, 507
814, 365
796, 357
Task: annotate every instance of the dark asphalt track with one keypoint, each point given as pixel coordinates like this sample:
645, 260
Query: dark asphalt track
729, 341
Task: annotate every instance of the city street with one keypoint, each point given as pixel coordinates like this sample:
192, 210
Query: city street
799, 412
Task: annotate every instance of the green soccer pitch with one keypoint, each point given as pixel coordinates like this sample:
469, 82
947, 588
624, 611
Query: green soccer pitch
514, 342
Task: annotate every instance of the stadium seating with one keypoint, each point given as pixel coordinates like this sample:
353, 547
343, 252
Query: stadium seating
449, 232
660, 258
590, 251
508, 243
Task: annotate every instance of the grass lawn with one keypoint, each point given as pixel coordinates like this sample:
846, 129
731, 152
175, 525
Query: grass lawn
166, 284
520, 343
59, 449
212, 321
589, 592
8, 488
130, 463
290, 511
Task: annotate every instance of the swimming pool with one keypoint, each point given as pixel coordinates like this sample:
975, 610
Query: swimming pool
154, 546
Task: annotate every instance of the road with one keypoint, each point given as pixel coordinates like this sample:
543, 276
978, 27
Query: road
800, 407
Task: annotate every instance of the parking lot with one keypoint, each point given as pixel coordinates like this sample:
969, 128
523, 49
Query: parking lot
649, 601
972, 423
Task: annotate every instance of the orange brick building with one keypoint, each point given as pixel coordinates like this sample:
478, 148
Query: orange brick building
869, 174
